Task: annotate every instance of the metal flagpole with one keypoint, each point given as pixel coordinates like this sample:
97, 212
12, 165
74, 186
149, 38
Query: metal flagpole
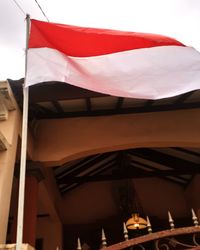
20, 214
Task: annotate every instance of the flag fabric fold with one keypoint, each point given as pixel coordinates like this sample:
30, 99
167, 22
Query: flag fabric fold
118, 63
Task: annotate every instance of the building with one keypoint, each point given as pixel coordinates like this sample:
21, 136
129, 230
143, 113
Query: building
92, 159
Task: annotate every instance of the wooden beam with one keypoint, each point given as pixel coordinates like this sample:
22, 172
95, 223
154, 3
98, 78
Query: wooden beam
164, 159
135, 174
149, 103
80, 168
66, 189
69, 187
183, 97
133, 162
73, 166
110, 164
35, 109
57, 106
39, 108
187, 151
133, 110
88, 104
119, 104
131, 171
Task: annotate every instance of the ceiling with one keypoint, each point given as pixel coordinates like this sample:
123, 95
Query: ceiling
60, 100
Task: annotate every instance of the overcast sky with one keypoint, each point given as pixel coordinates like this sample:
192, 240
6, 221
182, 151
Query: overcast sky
176, 18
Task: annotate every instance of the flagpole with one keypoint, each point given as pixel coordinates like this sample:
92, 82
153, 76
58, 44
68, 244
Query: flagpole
20, 213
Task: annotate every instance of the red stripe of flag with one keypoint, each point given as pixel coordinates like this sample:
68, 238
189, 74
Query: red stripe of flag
85, 42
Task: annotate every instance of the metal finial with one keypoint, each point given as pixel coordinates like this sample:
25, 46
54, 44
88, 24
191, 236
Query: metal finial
149, 229
171, 221
194, 218
103, 238
125, 231
79, 244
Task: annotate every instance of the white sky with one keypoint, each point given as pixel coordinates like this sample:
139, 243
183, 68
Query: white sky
176, 18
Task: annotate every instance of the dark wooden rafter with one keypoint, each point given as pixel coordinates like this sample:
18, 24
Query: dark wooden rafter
109, 166
92, 175
132, 110
183, 97
164, 159
88, 164
134, 163
123, 166
149, 103
119, 103
36, 109
88, 104
83, 167
75, 166
102, 167
70, 184
131, 172
190, 152
68, 187
57, 106
42, 108
136, 174
96, 168
156, 171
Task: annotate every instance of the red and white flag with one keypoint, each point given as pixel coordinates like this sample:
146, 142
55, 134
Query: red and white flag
126, 64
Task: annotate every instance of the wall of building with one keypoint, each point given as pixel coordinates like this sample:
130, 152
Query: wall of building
159, 196
9, 128
191, 194
96, 201
61, 140
89, 203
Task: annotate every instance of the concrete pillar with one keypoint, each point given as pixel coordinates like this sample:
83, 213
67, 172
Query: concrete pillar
10, 129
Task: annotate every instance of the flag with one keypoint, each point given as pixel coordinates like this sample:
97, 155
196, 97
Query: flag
118, 63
